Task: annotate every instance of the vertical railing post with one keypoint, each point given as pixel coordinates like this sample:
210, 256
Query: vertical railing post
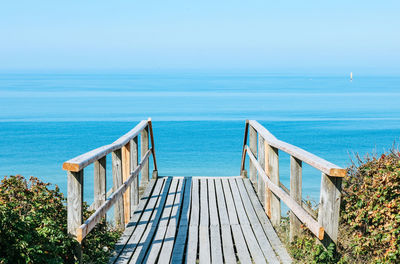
117, 182
253, 149
126, 172
273, 168
144, 147
135, 183
153, 150
75, 206
329, 207
261, 160
295, 193
99, 182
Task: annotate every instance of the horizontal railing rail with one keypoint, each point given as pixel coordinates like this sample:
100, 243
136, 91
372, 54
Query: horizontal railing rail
263, 152
124, 195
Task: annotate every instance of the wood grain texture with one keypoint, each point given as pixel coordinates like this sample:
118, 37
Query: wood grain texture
253, 149
126, 172
242, 166
302, 214
307, 157
135, 184
74, 201
273, 168
261, 160
91, 222
81, 161
329, 207
117, 182
295, 193
99, 182
152, 144
144, 146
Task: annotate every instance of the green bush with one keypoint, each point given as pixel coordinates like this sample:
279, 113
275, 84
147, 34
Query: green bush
33, 226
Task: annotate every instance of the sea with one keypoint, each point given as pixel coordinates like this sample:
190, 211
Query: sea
198, 119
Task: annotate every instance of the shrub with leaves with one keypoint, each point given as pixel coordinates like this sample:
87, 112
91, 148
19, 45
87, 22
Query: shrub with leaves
371, 209
33, 226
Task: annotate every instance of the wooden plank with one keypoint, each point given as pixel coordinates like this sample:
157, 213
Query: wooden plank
309, 158
99, 183
261, 160
117, 182
74, 201
147, 238
267, 226
81, 161
156, 244
305, 206
90, 223
295, 193
181, 237
253, 149
268, 193
249, 235
204, 234
142, 223
144, 146
123, 240
240, 243
191, 252
135, 184
166, 251
215, 236
227, 240
329, 207
304, 217
262, 239
126, 172
273, 167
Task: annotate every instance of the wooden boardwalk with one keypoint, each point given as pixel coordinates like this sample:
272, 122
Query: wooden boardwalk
209, 220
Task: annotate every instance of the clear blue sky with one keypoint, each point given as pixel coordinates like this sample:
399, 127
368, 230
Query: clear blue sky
279, 36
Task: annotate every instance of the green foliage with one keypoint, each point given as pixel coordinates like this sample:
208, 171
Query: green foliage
371, 209
33, 226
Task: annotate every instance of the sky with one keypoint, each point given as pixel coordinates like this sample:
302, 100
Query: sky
271, 36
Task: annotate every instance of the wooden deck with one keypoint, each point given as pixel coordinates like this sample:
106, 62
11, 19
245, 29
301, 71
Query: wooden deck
199, 219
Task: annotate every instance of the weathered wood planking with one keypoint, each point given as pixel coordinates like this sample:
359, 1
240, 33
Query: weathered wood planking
329, 207
307, 157
261, 160
273, 238
144, 146
117, 182
99, 182
215, 235
253, 149
305, 218
126, 172
74, 201
204, 232
80, 162
295, 193
90, 223
135, 184
192, 246
273, 168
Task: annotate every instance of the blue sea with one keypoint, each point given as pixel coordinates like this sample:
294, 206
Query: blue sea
198, 119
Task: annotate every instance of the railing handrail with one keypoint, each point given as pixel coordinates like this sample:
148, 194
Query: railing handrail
78, 163
96, 217
301, 154
297, 209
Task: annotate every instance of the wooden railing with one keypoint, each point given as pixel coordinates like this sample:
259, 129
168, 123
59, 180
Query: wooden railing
125, 170
263, 153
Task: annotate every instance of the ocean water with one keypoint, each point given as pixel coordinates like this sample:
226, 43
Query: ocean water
198, 119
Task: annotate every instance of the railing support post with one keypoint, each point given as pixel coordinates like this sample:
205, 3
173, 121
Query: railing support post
253, 149
126, 172
295, 193
273, 168
329, 207
135, 183
117, 182
261, 159
144, 147
75, 206
99, 182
